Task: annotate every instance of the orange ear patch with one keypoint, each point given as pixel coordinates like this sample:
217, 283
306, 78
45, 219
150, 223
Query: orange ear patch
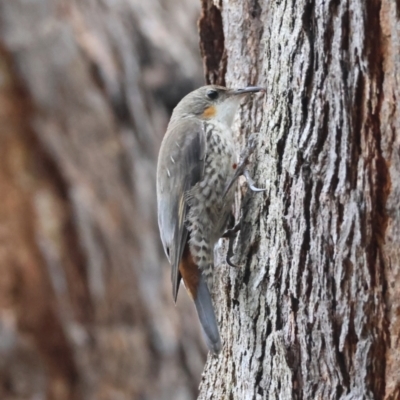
209, 112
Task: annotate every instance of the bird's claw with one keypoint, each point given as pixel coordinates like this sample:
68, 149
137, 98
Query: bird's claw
230, 254
251, 183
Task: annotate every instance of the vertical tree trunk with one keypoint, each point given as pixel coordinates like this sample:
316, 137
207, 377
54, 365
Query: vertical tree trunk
313, 310
85, 304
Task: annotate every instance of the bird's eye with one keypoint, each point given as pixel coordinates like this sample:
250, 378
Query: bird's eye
212, 94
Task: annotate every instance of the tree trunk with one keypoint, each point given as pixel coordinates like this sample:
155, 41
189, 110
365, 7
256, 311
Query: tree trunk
86, 88
313, 311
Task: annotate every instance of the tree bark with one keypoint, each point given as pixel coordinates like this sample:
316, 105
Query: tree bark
86, 88
313, 312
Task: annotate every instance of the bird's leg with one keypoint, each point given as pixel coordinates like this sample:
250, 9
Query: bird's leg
231, 235
241, 168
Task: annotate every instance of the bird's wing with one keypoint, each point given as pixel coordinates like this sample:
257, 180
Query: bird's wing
180, 167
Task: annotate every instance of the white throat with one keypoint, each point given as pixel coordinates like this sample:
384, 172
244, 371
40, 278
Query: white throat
226, 110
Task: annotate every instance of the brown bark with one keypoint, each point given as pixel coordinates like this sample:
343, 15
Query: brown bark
85, 305
313, 310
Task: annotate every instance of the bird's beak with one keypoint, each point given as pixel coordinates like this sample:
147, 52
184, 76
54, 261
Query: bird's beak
248, 89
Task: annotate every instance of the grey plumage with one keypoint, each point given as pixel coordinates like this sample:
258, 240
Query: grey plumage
196, 161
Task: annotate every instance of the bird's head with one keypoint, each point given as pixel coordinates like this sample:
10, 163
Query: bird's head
213, 103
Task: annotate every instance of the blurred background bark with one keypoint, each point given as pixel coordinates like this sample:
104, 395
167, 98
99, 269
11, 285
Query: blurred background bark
86, 89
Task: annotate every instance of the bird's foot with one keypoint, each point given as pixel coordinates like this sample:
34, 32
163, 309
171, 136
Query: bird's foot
251, 182
231, 235
241, 168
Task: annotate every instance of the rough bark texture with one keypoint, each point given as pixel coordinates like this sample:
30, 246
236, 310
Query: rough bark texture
86, 88
313, 312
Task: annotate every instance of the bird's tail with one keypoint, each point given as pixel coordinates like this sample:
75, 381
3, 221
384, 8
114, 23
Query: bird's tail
205, 310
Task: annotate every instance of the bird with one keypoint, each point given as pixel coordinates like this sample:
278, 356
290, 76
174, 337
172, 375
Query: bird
196, 168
